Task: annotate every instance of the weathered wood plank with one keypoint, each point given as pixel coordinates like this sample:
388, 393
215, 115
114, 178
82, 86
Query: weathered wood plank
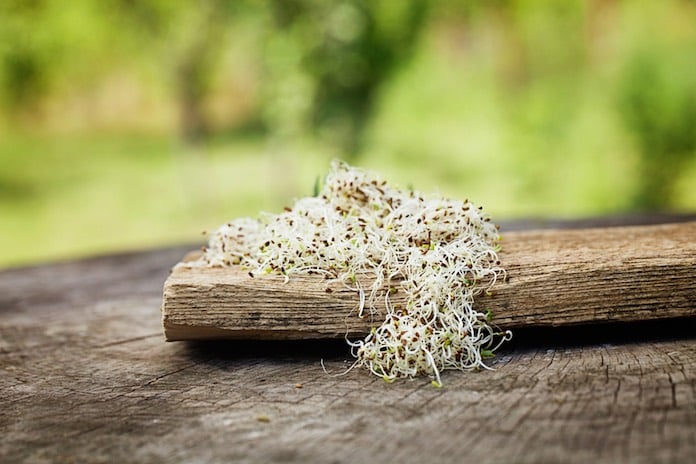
85, 376
556, 277
147, 401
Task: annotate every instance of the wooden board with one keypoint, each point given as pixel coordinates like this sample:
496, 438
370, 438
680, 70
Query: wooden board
85, 377
556, 278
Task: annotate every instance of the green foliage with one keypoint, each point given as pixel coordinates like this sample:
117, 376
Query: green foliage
191, 37
658, 102
35, 40
327, 61
365, 42
530, 108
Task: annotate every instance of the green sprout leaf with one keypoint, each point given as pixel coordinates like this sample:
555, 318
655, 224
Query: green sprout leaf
317, 186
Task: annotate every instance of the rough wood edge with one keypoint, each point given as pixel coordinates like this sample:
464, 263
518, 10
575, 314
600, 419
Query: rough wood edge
557, 277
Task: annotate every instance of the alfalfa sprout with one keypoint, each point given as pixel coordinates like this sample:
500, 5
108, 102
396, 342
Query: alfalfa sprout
438, 254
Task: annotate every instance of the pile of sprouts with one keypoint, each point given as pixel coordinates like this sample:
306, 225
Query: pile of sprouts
438, 254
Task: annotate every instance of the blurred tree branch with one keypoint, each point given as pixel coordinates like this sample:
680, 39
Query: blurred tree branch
193, 36
341, 55
658, 103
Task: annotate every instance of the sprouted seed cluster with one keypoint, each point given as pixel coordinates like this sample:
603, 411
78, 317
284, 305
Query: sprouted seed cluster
437, 254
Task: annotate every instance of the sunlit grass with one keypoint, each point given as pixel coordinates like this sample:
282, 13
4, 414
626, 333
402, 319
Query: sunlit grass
67, 197
64, 197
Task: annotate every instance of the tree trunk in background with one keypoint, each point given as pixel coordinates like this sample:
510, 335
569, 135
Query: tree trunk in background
191, 86
196, 66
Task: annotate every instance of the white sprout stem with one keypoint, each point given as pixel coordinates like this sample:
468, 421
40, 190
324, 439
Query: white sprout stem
440, 253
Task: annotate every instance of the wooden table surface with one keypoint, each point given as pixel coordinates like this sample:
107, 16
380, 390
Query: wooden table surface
86, 376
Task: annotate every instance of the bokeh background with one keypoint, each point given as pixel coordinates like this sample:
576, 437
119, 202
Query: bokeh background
127, 124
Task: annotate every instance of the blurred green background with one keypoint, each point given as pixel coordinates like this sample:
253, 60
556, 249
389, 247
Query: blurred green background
135, 123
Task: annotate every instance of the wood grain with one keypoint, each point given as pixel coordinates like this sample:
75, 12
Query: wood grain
86, 377
556, 277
